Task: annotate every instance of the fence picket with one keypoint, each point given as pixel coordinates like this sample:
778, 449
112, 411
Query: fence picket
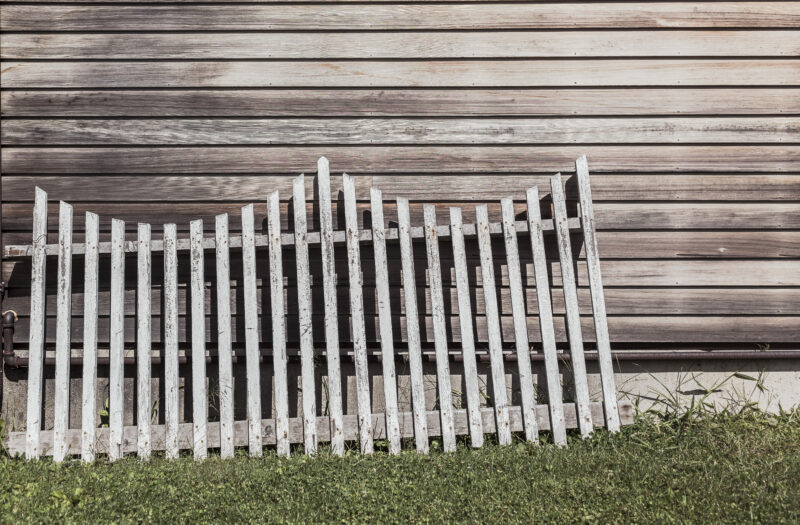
305, 316
143, 348
278, 326
252, 349
598, 299
171, 386
37, 322
116, 380
546, 319
518, 311
465, 323
199, 399
357, 316
385, 321
439, 329
499, 394
412, 326
90, 289
63, 324
571, 301
224, 337
331, 313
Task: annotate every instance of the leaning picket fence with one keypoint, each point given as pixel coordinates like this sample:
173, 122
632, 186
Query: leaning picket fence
311, 428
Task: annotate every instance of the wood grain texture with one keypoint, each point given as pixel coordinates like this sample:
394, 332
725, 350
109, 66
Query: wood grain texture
33, 421
499, 395
571, 302
358, 329
90, 302
170, 340
396, 102
305, 311
277, 309
443, 378
408, 73
401, 16
546, 328
198, 340
412, 327
520, 329
670, 222
394, 160
399, 131
249, 269
144, 397
383, 298
63, 344
223, 285
598, 298
562, 44
327, 255
117, 338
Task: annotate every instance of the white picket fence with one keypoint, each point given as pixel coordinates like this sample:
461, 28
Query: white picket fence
336, 427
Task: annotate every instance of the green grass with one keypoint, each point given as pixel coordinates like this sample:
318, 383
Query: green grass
733, 469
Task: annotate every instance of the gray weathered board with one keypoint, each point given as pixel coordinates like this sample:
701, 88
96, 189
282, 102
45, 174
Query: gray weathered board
330, 423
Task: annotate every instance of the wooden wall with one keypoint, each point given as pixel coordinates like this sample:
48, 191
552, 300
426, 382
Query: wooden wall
689, 113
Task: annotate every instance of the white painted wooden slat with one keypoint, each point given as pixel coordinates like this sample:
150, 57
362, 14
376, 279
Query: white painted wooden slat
412, 326
499, 395
143, 347
199, 399
465, 323
331, 312
89, 403
116, 380
439, 329
571, 302
546, 329
171, 386
63, 324
598, 299
357, 316
385, 321
251, 332
37, 323
305, 316
518, 311
278, 325
223, 277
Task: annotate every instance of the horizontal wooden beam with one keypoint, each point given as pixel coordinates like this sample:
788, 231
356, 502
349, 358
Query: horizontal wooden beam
330, 16
395, 102
406, 73
287, 239
16, 440
399, 131
518, 44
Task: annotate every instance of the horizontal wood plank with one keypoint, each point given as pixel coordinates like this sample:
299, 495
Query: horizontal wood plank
408, 73
401, 16
630, 216
621, 272
622, 329
551, 44
399, 159
620, 301
500, 131
16, 440
398, 102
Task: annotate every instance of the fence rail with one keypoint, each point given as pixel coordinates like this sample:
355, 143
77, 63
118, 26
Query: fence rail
311, 428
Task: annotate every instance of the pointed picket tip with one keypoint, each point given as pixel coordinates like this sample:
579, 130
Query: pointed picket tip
91, 216
63, 205
118, 223
248, 208
323, 164
221, 217
581, 162
40, 193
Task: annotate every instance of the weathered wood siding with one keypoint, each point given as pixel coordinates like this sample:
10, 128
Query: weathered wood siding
689, 113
